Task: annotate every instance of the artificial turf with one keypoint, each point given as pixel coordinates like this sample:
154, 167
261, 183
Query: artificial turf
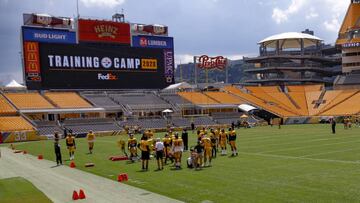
16, 190
297, 163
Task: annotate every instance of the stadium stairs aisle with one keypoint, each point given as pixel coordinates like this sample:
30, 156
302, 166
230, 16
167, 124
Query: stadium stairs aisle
58, 183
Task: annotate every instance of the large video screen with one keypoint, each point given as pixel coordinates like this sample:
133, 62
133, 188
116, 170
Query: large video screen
81, 66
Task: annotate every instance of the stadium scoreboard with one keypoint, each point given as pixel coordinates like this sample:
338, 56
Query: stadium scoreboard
95, 55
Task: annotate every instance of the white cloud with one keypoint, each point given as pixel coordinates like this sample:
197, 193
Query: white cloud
282, 15
184, 58
102, 3
332, 25
312, 14
337, 8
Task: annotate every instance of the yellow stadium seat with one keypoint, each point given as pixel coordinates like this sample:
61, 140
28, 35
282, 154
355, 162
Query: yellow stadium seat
67, 100
29, 100
5, 107
14, 123
224, 98
197, 98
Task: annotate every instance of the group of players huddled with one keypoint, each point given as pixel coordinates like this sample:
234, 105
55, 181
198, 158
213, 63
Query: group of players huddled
171, 147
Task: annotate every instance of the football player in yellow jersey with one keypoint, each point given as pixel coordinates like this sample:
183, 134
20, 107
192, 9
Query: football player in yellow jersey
207, 150
91, 139
70, 144
232, 141
121, 144
167, 148
223, 139
177, 148
213, 143
132, 142
145, 152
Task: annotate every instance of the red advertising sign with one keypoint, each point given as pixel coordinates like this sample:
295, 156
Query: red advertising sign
104, 31
31, 57
207, 62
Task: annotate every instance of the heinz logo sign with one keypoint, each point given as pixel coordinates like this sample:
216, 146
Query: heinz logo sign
107, 76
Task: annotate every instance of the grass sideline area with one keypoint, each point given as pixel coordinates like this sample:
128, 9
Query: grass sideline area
13, 190
298, 163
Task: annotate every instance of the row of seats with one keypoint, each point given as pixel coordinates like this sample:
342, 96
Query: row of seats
14, 123
5, 107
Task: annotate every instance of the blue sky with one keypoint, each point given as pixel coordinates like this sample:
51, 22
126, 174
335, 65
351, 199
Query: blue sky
215, 27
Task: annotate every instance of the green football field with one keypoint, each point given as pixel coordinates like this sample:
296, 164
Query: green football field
298, 163
17, 190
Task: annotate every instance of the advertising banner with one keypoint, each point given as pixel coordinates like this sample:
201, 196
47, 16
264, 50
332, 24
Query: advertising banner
153, 42
103, 31
32, 61
65, 66
169, 65
48, 35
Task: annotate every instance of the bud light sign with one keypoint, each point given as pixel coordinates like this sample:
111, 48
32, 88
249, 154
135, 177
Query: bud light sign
48, 35
152, 42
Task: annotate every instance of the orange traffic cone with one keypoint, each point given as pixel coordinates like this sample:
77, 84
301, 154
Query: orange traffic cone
81, 194
120, 178
72, 164
75, 195
124, 176
40, 156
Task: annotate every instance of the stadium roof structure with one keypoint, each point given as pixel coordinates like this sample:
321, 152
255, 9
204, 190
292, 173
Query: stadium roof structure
181, 85
290, 40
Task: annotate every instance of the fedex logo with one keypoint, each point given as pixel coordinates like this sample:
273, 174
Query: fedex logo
108, 76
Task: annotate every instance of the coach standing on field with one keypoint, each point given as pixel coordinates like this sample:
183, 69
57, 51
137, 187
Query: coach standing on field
333, 125
57, 149
185, 138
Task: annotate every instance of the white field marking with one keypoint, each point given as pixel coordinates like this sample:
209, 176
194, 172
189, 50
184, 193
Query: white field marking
304, 147
276, 136
331, 152
300, 158
306, 141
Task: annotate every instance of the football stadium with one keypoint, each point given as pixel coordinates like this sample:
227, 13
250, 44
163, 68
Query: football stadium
102, 116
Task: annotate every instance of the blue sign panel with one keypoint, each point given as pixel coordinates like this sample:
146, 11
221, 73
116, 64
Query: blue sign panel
48, 35
153, 42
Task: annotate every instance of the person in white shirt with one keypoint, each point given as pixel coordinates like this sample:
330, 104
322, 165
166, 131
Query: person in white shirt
159, 147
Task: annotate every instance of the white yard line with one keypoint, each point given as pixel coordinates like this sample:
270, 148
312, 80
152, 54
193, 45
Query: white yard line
300, 158
58, 183
311, 146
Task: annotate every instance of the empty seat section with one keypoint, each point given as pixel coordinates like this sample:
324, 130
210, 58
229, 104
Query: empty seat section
197, 98
300, 99
344, 95
5, 107
203, 121
31, 100
175, 99
140, 101
101, 100
281, 101
349, 106
311, 99
265, 104
224, 98
296, 88
67, 100
308, 88
14, 123
181, 122
329, 96
270, 89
